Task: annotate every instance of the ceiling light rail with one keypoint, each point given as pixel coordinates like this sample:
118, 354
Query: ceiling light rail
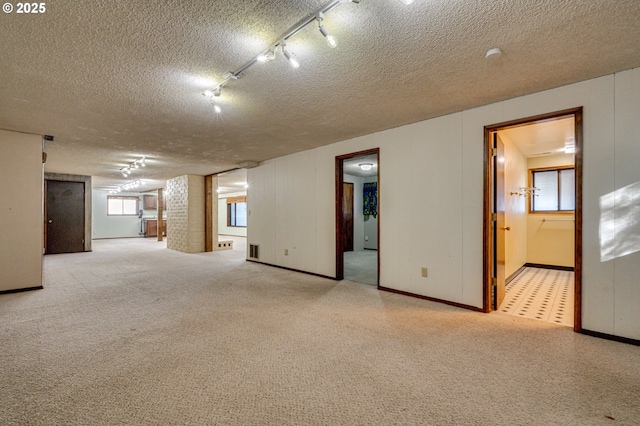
127, 186
126, 170
270, 53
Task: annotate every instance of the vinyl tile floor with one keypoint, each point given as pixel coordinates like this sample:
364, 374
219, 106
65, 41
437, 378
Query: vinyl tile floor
542, 294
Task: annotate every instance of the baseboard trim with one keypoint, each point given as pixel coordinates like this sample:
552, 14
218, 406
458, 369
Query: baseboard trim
20, 290
291, 269
432, 299
611, 337
515, 274
542, 266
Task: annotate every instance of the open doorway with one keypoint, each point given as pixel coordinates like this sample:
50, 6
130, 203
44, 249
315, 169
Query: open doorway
533, 217
230, 195
357, 218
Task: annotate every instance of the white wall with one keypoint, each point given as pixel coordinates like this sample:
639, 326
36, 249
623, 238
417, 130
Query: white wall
21, 223
223, 229
105, 226
431, 200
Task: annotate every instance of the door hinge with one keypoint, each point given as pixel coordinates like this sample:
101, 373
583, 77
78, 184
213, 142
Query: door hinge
494, 282
494, 152
494, 217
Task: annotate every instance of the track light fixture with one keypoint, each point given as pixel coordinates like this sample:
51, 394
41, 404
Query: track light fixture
331, 41
270, 53
126, 170
127, 186
290, 56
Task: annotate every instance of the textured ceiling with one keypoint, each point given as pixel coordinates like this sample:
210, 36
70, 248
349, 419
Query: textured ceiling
115, 80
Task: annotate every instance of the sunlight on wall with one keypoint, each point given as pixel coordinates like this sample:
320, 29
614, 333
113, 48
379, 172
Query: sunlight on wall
620, 222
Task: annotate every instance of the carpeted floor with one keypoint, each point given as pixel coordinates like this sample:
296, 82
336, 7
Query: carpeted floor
136, 334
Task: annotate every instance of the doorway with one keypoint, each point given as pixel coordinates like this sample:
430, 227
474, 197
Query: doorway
64, 217
357, 218
533, 217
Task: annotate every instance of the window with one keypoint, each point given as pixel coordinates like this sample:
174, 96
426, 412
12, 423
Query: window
556, 190
122, 206
237, 211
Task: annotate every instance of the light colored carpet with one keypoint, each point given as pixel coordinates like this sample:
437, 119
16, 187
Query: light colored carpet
542, 294
134, 333
361, 266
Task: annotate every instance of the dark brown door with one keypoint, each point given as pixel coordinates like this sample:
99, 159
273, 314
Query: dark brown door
347, 215
64, 217
499, 227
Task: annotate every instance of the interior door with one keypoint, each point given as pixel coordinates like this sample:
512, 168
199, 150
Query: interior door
64, 215
347, 215
499, 224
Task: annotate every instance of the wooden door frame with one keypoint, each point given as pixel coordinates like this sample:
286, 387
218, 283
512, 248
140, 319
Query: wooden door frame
487, 239
338, 203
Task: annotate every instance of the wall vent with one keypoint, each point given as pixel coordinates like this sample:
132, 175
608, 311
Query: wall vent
254, 251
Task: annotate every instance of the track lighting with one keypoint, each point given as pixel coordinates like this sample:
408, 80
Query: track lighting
290, 56
331, 41
127, 186
126, 171
270, 54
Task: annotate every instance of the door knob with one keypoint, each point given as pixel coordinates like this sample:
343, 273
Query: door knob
50, 221
508, 228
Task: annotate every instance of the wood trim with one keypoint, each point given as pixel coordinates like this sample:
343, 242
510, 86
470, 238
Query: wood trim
293, 270
339, 179
577, 113
578, 164
487, 238
234, 200
208, 213
160, 211
432, 299
610, 337
515, 274
20, 290
543, 266
339, 190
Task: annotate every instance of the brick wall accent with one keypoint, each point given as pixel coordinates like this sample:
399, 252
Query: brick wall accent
185, 213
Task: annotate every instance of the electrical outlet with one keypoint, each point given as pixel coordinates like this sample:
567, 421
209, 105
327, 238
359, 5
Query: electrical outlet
286, 252
366, 238
425, 273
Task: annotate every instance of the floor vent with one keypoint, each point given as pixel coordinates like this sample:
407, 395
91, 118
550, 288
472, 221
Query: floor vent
254, 251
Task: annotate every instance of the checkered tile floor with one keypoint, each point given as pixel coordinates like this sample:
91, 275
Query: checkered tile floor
542, 294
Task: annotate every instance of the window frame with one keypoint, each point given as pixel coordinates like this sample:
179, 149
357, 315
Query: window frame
231, 204
124, 197
551, 169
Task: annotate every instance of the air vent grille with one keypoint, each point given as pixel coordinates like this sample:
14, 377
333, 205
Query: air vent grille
254, 251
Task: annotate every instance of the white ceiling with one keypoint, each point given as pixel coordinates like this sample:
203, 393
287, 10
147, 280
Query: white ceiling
232, 182
351, 166
542, 138
116, 80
